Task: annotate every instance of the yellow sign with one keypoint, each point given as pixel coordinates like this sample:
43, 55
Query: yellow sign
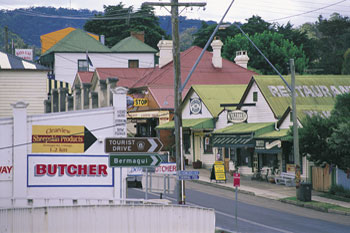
219, 169
57, 139
140, 102
220, 176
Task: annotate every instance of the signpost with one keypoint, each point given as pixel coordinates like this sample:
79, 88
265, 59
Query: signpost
134, 160
134, 152
236, 184
187, 175
61, 139
133, 145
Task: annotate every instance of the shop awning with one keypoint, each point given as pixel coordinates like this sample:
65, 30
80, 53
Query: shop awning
203, 123
239, 135
233, 140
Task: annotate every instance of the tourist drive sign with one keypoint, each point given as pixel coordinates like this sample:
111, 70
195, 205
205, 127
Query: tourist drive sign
134, 160
132, 145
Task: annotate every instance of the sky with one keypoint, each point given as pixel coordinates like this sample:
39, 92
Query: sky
279, 11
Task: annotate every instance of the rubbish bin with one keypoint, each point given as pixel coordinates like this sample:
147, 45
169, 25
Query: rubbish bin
304, 192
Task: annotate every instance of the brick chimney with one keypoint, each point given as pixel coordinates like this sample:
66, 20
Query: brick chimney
165, 52
138, 35
217, 59
242, 58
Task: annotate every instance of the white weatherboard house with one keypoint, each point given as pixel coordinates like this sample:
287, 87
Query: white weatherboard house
200, 111
79, 51
260, 141
21, 80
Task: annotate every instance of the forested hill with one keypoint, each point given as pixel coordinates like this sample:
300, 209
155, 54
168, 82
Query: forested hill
31, 23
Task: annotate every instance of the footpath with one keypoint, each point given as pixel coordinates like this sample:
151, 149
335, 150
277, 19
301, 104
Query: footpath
269, 190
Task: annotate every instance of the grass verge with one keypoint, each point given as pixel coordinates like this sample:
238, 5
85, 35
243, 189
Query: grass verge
334, 197
325, 207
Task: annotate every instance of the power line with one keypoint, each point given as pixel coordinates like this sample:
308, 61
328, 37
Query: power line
307, 12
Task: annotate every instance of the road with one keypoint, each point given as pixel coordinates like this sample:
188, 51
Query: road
256, 214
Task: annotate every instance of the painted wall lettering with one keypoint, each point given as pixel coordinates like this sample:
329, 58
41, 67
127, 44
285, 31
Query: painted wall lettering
309, 91
5, 169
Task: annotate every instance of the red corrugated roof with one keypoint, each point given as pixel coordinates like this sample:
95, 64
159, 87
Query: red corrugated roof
85, 76
157, 78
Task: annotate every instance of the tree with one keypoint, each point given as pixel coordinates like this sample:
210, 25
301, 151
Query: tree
127, 20
326, 140
186, 38
333, 42
203, 34
346, 63
277, 49
313, 138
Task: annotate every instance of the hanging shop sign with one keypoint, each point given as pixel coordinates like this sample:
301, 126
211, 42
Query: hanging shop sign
268, 144
236, 116
195, 106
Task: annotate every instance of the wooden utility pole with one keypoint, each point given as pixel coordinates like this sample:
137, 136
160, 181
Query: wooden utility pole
177, 85
6, 40
295, 126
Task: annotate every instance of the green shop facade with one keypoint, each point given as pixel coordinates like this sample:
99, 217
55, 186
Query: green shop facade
261, 141
246, 126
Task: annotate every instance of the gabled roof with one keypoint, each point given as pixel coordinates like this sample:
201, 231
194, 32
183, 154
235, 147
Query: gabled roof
77, 41
50, 39
85, 76
132, 45
11, 62
214, 95
205, 73
314, 92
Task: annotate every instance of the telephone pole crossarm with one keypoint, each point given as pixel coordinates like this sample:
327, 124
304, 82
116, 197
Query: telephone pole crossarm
188, 4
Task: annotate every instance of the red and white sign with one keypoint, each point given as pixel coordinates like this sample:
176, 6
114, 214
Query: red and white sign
166, 168
236, 179
6, 171
26, 54
65, 170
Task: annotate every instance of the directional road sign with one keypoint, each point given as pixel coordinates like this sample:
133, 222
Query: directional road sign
61, 139
187, 175
132, 145
134, 160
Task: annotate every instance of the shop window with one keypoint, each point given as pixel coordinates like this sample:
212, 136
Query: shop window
255, 96
269, 160
83, 65
208, 148
187, 143
133, 64
244, 157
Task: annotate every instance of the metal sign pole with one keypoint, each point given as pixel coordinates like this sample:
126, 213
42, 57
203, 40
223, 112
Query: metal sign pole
236, 200
146, 193
121, 184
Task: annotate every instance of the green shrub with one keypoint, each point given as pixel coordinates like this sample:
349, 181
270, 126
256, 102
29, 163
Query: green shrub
339, 191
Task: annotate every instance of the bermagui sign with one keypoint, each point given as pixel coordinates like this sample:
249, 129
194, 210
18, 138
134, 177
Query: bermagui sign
133, 145
134, 160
